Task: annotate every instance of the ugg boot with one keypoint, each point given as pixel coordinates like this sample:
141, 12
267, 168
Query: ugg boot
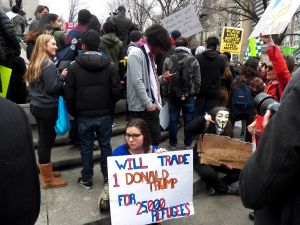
48, 180
55, 173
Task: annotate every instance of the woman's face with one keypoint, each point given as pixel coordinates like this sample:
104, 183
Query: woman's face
134, 138
51, 47
57, 23
270, 72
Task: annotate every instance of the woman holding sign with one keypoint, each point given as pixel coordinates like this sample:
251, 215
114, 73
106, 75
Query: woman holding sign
137, 141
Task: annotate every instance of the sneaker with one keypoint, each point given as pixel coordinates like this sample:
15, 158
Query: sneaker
251, 215
87, 184
211, 190
188, 147
114, 123
103, 201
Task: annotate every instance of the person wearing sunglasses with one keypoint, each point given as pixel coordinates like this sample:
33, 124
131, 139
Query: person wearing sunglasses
278, 76
137, 141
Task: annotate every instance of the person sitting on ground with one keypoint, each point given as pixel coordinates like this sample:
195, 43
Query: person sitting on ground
216, 123
138, 141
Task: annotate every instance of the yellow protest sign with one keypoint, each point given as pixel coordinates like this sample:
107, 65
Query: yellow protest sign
231, 40
5, 74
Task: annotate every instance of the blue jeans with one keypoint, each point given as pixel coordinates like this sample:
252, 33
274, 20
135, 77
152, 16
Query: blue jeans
86, 128
188, 110
205, 105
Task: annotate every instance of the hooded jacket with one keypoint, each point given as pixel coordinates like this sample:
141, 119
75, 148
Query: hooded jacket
92, 85
8, 39
212, 66
191, 68
111, 46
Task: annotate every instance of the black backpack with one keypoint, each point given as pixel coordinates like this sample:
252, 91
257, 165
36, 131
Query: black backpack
180, 85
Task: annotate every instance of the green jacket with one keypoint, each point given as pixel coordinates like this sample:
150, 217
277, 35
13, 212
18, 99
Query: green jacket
111, 46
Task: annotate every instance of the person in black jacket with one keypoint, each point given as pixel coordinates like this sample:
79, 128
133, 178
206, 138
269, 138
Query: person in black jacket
8, 40
269, 182
216, 123
212, 66
92, 87
20, 188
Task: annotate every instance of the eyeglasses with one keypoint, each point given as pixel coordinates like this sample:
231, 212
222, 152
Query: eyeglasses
133, 136
270, 68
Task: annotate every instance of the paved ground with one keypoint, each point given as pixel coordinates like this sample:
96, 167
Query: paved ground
74, 205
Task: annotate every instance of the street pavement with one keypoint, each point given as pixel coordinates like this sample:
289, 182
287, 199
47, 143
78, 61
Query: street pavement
74, 205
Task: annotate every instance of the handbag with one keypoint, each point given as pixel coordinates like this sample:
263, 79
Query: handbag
62, 125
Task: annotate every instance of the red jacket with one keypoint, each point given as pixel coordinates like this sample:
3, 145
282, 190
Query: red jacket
283, 77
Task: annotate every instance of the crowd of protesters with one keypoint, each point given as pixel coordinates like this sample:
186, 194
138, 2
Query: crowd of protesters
153, 68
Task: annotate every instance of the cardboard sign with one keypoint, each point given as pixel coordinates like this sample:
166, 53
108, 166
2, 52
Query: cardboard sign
152, 187
231, 40
276, 17
184, 20
217, 150
5, 74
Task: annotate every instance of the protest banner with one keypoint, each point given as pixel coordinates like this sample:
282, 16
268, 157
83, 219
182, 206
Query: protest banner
276, 17
5, 74
152, 187
231, 40
184, 20
217, 150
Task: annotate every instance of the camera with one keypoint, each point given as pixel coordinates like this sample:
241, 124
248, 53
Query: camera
265, 102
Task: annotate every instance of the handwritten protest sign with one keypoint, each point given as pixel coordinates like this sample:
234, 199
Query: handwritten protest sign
216, 150
231, 40
149, 188
276, 17
5, 74
184, 20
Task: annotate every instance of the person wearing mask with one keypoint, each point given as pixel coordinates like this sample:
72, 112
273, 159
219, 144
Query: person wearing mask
45, 85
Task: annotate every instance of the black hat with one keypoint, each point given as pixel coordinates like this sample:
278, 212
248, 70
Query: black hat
91, 39
121, 9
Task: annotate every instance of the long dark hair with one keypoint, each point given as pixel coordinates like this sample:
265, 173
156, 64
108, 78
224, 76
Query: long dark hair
142, 125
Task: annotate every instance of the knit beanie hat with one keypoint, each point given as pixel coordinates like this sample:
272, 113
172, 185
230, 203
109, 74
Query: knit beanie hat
175, 34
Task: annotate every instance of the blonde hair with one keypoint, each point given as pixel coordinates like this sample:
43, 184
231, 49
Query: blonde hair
39, 54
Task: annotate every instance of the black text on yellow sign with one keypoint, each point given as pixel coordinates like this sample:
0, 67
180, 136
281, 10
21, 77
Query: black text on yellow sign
231, 40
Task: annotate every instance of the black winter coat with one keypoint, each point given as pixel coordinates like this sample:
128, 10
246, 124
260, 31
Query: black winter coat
212, 66
270, 180
92, 85
8, 39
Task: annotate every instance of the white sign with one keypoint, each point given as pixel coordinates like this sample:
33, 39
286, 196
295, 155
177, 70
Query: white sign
149, 188
184, 20
276, 17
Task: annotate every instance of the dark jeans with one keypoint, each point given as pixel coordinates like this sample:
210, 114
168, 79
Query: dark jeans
73, 133
205, 105
152, 119
87, 126
45, 119
188, 110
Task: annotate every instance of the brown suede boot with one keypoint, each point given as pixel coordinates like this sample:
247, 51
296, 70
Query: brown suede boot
48, 180
55, 173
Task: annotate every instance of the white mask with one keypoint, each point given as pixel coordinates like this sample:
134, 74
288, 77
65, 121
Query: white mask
222, 118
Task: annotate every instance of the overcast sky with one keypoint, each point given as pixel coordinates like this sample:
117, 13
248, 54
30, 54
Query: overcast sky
60, 7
